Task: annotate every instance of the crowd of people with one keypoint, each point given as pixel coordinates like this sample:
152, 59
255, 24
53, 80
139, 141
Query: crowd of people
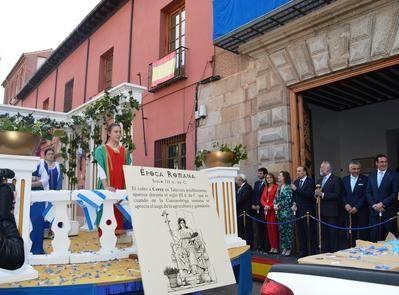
356, 201
269, 212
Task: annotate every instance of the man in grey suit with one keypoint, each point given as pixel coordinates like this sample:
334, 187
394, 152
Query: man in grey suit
329, 192
355, 201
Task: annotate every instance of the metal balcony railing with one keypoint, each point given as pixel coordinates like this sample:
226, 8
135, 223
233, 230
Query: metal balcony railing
167, 70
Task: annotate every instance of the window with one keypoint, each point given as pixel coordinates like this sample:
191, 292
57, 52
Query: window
19, 81
40, 60
171, 152
177, 35
68, 96
106, 70
13, 89
6, 99
170, 67
46, 104
176, 28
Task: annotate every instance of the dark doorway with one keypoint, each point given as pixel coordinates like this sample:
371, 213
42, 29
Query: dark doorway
352, 118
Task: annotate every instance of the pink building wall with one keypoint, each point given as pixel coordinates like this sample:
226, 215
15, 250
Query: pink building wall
72, 68
46, 90
112, 34
170, 110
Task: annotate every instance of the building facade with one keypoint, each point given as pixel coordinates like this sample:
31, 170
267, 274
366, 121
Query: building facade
22, 71
322, 86
164, 45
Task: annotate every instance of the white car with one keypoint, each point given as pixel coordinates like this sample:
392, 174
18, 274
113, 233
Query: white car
306, 279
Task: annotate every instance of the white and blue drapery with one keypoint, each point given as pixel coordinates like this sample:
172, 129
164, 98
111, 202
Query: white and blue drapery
90, 201
49, 212
123, 207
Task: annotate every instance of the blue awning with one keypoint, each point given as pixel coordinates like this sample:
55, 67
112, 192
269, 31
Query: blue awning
237, 21
229, 15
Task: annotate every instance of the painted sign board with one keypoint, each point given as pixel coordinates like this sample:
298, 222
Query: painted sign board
179, 237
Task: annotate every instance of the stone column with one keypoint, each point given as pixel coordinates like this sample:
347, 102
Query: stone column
223, 191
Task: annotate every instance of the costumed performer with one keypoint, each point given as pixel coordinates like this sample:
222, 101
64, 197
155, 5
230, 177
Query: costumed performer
110, 159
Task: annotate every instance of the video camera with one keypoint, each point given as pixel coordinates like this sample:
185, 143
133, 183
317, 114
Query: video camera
7, 190
11, 244
7, 174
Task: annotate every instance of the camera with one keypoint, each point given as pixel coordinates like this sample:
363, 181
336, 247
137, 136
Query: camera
7, 190
7, 174
11, 244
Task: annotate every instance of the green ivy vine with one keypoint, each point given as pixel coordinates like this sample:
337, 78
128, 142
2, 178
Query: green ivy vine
119, 107
75, 134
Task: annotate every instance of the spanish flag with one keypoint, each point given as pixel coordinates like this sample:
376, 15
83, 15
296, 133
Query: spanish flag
163, 69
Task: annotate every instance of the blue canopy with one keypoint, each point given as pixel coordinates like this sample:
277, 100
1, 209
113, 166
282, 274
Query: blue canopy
229, 15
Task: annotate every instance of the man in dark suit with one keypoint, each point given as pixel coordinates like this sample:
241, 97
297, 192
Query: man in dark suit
257, 211
382, 193
329, 193
355, 201
243, 201
304, 202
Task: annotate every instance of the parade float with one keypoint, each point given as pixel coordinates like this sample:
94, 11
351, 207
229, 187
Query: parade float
83, 260
22, 130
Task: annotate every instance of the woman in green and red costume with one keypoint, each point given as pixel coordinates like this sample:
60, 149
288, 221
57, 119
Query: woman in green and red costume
110, 159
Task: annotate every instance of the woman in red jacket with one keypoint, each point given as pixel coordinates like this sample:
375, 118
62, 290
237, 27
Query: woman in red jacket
267, 200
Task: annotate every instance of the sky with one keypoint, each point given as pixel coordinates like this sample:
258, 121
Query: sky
32, 25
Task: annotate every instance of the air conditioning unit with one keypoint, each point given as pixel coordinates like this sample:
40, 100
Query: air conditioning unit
201, 113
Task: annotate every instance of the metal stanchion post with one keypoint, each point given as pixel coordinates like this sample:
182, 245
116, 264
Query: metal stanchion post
308, 231
318, 203
350, 230
380, 219
294, 246
397, 223
245, 224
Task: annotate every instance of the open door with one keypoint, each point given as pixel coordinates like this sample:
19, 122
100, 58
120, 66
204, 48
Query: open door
301, 134
305, 135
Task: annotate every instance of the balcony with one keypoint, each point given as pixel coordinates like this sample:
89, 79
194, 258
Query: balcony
167, 70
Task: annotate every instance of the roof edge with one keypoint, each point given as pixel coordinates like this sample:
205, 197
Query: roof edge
90, 23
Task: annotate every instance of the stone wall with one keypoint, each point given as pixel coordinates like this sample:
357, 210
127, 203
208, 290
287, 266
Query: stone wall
231, 105
365, 35
228, 63
251, 106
